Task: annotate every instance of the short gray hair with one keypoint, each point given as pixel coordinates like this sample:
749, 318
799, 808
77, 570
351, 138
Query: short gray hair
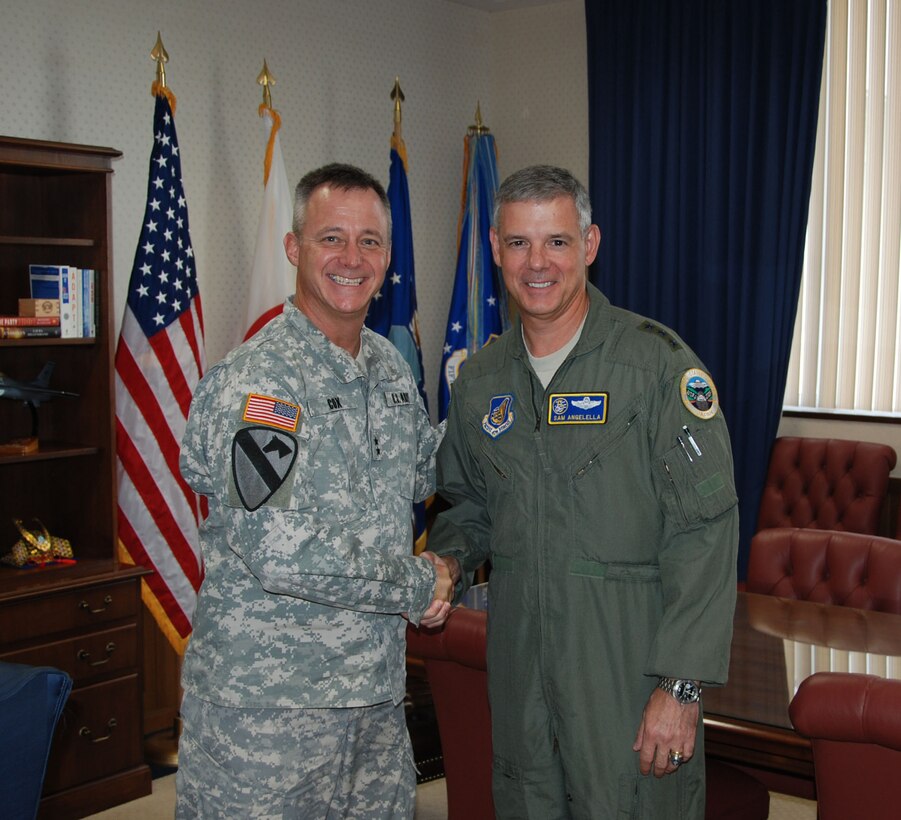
341, 176
542, 183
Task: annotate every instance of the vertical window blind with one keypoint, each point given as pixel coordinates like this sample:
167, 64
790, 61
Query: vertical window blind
845, 350
803, 659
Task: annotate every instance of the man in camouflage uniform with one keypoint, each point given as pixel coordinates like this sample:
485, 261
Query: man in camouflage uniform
587, 459
311, 443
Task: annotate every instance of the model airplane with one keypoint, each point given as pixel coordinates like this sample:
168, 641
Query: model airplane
34, 392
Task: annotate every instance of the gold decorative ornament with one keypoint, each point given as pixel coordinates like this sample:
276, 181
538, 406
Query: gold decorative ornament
37, 547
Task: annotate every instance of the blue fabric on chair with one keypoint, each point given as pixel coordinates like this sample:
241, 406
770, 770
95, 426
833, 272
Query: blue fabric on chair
31, 701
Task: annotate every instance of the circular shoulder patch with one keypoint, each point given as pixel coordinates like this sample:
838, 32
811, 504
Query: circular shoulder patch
698, 393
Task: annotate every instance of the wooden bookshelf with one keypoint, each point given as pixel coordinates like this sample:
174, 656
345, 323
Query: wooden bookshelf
55, 209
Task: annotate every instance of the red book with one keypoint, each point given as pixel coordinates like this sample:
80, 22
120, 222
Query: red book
29, 321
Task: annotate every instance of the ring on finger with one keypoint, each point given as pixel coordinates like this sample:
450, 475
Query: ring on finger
676, 758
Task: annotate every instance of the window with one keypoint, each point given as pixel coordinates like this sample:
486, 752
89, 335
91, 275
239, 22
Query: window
845, 350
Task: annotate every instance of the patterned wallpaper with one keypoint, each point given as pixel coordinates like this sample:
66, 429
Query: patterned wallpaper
80, 71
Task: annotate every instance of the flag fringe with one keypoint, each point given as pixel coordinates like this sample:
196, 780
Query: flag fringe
158, 90
463, 189
270, 145
398, 144
176, 641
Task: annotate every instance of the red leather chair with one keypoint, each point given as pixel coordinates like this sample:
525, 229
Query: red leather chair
455, 664
854, 724
827, 484
844, 568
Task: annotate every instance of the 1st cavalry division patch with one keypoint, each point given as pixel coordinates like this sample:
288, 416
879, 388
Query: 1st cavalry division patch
698, 394
262, 458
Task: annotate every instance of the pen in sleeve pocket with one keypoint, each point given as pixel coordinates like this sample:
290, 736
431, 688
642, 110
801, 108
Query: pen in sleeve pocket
691, 440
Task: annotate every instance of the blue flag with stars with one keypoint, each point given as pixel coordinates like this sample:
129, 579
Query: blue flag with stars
478, 311
392, 312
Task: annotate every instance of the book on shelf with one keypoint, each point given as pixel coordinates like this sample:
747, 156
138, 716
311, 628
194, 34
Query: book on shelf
39, 307
69, 313
88, 324
43, 281
29, 321
29, 332
75, 289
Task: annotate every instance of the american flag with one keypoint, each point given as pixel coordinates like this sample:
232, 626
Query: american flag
159, 361
272, 411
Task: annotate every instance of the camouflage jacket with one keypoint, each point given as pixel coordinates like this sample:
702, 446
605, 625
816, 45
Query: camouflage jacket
310, 467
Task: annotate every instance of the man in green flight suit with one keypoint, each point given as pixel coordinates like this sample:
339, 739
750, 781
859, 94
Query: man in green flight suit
587, 458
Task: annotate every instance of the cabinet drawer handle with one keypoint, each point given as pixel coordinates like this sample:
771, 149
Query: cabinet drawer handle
84, 655
110, 725
107, 599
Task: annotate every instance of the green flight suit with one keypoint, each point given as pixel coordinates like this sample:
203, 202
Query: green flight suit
613, 556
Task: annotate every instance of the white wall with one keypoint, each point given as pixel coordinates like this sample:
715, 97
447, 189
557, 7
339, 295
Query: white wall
540, 105
80, 71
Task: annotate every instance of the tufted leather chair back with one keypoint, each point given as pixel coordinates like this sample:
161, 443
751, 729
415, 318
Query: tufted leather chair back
826, 484
843, 568
854, 723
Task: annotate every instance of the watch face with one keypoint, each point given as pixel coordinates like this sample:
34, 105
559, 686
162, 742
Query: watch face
686, 691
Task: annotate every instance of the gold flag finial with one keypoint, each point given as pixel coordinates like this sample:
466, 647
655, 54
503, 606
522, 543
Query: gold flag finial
266, 79
478, 127
398, 96
161, 56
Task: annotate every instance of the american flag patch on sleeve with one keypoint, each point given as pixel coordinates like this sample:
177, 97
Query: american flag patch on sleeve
272, 412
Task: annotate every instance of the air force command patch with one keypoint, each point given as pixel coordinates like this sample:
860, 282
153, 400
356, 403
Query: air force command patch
262, 458
577, 408
698, 394
500, 415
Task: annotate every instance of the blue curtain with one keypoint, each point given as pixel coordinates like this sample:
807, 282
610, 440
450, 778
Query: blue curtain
702, 123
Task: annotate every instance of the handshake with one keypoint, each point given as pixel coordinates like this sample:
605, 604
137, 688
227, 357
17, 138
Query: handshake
448, 572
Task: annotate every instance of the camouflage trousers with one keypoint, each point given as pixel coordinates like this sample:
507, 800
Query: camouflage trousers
294, 763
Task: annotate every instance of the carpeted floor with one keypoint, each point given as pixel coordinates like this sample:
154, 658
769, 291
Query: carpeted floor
431, 804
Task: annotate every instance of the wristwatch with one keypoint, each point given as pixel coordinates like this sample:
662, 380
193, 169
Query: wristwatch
684, 691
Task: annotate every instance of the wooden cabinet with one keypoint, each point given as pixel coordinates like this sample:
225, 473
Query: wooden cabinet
55, 208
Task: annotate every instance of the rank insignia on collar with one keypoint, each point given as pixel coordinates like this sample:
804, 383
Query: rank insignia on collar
262, 458
499, 418
698, 394
271, 412
577, 408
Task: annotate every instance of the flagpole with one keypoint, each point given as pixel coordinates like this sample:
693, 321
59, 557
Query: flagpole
265, 79
397, 139
161, 56
392, 312
478, 127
